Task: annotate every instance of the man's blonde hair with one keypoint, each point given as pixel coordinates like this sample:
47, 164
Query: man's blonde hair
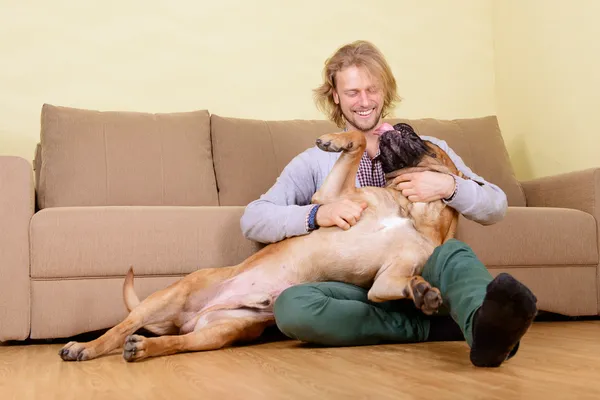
360, 54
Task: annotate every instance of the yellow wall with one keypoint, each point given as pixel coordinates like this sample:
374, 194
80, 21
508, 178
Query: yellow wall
255, 59
547, 64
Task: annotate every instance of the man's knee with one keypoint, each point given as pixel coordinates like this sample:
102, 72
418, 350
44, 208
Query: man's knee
451, 256
296, 311
455, 244
451, 249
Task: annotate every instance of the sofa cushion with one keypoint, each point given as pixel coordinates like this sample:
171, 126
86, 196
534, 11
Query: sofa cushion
250, 154
479, 142
105, 241
93, 158
566, 290
530, 236
67, 307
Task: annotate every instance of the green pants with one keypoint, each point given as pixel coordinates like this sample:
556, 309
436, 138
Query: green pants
339, 314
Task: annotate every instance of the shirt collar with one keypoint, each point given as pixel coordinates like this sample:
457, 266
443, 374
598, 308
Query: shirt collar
366, 156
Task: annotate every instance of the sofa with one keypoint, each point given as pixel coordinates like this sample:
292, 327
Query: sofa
164, 193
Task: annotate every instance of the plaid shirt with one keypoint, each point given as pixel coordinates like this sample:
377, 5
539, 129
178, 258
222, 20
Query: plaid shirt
370, 172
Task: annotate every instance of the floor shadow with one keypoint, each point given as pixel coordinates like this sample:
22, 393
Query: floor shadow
271, 334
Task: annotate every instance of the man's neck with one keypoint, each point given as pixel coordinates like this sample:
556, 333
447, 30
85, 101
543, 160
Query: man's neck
372, 144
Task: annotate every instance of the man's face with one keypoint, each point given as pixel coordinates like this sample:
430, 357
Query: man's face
360, 98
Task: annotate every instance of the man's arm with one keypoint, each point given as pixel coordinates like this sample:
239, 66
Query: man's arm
282, 211
475, 198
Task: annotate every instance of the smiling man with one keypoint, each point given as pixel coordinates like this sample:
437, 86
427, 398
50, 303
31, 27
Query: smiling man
492, 315
359, 90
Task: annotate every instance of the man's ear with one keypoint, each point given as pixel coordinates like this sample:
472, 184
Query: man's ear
336, 98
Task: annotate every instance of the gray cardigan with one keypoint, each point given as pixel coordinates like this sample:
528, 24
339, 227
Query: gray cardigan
281, 212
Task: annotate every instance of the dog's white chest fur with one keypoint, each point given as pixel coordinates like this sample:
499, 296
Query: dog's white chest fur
395, 222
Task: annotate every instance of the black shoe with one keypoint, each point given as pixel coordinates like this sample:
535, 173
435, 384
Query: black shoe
507, 312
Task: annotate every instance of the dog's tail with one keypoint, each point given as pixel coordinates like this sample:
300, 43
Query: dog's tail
129, 296
132, 301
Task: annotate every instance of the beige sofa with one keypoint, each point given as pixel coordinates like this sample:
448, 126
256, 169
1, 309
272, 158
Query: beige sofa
165, 194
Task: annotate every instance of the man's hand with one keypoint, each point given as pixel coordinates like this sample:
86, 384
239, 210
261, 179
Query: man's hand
425, 186
343, 213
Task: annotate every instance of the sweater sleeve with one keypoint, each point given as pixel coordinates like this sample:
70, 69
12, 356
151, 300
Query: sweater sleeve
282, 211
476, 198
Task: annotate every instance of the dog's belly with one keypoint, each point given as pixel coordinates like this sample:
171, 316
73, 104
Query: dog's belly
252, 292
218, 315
355, 256
331, 254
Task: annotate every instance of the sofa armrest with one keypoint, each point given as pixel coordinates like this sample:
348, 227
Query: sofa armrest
16, 210
579, 190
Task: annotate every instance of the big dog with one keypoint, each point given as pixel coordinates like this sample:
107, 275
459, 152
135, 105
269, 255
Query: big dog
384, 252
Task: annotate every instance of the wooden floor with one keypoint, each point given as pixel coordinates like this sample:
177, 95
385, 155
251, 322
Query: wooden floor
557, 360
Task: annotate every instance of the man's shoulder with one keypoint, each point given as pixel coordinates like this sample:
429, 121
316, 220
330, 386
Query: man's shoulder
315, 155
313, 161
437, 141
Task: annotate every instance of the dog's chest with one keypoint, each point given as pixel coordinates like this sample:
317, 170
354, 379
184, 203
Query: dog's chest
389, 229
395, 222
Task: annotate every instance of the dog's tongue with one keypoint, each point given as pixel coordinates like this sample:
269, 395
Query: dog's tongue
383, 128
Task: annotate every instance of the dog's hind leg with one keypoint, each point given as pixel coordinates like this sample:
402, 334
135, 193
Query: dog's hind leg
342, 178
397, 282
212, 336
159, 307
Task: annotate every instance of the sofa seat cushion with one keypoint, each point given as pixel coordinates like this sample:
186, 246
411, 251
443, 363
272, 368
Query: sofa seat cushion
529, 236
73, 242
115, 158
566, 290
63, 308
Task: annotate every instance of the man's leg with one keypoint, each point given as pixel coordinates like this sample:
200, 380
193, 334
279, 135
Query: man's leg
493, 313
339, 314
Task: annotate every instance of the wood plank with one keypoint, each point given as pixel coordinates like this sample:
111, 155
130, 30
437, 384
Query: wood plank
557, 360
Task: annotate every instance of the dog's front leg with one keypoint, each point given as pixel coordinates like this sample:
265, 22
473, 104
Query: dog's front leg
211, 337
342, 178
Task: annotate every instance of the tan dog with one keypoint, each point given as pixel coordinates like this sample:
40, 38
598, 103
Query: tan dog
215, 307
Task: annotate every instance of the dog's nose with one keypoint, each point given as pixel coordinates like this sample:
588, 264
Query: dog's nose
320, 143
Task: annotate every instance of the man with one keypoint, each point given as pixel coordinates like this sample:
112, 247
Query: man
359, 90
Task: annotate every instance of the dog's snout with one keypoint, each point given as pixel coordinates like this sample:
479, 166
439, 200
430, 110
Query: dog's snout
322, 144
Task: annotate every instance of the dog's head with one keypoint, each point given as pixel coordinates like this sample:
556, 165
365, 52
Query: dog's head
402, 148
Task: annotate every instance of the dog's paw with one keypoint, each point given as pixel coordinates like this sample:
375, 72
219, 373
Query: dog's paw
427, 298
134, 348
335, 142
74, 351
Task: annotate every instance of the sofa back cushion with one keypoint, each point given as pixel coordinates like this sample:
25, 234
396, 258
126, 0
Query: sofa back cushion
93, 158
250, 154
479, 142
